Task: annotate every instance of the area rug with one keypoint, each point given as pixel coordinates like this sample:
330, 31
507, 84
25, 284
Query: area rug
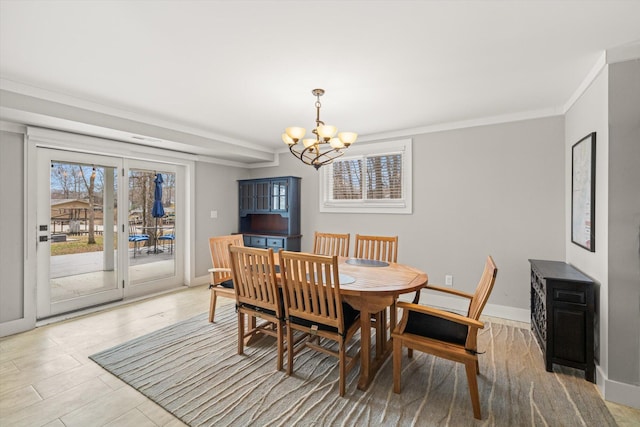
192, 369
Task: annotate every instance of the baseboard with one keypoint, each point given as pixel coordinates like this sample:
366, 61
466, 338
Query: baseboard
461, 304
200, 280
617, 392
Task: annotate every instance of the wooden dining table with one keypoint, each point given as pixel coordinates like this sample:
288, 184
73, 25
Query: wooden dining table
371, 287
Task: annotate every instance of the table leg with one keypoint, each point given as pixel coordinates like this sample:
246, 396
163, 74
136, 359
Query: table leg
365, 351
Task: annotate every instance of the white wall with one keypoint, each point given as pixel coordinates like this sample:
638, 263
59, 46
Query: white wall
495, 190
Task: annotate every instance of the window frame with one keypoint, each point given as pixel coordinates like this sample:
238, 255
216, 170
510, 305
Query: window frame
403, 205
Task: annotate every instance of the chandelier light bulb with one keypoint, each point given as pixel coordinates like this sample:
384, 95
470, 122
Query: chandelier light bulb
287, 139
308, 142
348, 138
326, 132
336, 143
296, 133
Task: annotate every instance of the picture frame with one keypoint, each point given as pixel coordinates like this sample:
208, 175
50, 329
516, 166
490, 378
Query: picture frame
583, 192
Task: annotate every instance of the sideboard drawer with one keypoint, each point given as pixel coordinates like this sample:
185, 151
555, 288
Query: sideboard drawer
275, 243
567, 295
258, 242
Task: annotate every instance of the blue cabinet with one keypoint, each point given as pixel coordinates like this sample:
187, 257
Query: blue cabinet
270, 212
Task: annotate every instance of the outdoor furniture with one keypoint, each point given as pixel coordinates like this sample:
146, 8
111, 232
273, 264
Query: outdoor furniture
136, 238
257, 296
167, 236
445, 334
221, 278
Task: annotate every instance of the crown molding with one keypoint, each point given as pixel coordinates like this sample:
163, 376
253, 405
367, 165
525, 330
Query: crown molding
48, 95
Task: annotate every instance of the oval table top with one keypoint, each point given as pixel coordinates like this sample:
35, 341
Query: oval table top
394, 279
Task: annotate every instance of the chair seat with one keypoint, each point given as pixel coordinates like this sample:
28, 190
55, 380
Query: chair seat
138, 237
227, 284
167, 237
258, 309
437, 328
350, 316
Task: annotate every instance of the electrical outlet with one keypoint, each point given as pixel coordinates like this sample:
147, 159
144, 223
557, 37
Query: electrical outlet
448, 280
214, 214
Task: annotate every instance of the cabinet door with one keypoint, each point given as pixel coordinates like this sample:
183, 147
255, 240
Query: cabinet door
279, 193
262, 196
247, 197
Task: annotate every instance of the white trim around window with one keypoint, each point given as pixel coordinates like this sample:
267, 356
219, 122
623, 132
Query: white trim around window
363, 153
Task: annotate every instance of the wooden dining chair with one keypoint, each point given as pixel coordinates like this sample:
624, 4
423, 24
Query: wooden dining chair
221, 279
444, 334
257, 295
313, 306
331, 244
379, 248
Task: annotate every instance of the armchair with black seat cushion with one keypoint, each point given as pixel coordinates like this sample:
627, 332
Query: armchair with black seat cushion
221, 279
444, 334
257, 296
314, 308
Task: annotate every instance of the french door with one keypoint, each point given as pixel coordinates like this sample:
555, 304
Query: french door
89, 210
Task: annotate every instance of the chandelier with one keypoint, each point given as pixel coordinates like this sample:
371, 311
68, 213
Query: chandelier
324, 148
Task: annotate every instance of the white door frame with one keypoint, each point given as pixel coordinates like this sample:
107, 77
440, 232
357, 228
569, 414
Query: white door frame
45, 307
39, 137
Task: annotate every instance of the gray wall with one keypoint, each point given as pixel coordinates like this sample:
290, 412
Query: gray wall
590, 114
11, 226
611, 108
495, 190
624, 221
216, 189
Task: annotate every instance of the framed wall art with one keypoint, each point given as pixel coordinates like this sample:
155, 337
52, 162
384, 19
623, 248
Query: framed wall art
583, 192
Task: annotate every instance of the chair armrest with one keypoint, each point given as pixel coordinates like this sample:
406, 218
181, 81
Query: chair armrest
449, 291
464, 320
219, 270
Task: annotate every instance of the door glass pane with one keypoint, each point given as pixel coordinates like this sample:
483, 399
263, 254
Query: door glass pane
82, 230
151, 222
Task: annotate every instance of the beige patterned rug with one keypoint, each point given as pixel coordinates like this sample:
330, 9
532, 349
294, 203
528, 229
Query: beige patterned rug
192, 370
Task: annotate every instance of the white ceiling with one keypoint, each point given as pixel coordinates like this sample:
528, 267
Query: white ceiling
239, 72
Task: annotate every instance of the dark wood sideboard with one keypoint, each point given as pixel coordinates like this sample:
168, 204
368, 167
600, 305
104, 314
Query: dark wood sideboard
270, 212
562, 315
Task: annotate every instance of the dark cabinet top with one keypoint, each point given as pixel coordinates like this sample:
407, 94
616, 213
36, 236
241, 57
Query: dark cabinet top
559, 270
268, 178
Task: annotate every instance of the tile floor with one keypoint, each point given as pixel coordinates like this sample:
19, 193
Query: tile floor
47, 379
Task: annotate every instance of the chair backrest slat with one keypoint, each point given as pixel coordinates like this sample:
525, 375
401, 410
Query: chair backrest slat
219, 249
331, 244
379, 248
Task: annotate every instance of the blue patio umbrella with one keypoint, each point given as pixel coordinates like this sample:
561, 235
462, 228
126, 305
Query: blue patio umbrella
158, 209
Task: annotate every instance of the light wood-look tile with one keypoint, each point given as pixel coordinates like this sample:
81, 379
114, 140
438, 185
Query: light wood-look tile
133, 418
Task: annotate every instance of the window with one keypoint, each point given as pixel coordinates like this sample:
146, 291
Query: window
372, 178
